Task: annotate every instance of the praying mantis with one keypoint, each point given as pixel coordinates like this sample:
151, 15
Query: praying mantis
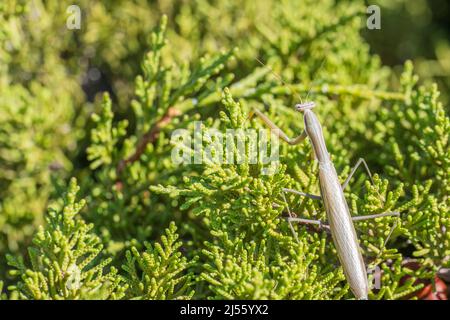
340, 222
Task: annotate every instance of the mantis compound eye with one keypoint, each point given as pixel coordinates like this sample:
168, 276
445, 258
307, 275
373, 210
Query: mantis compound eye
305, 106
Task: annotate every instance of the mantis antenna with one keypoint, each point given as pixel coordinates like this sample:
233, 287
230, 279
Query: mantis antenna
287, 84
281, 80
310, 88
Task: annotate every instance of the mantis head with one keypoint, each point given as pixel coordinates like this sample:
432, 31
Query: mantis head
305, 106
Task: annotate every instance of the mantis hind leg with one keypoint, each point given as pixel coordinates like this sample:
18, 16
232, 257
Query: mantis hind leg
308, 195
291, 217
358, 218
318, 223
380, 215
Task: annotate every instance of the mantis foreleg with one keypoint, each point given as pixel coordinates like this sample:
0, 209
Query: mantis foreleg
277, 131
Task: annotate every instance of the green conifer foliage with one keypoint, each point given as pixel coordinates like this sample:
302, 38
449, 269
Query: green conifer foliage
37, 105
414, 132
232, 198
29, 153
64, 259
158, 272
241, 269
127, 164
166, 65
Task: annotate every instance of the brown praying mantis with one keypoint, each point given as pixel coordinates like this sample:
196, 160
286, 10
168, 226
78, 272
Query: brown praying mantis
340, 222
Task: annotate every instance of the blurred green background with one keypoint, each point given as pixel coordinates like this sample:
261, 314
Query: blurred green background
418, 30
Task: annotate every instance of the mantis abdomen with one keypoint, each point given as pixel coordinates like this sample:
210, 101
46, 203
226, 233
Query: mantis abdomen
338, 214
342, 230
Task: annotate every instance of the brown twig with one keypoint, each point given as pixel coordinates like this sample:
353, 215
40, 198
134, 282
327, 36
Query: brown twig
149, 137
